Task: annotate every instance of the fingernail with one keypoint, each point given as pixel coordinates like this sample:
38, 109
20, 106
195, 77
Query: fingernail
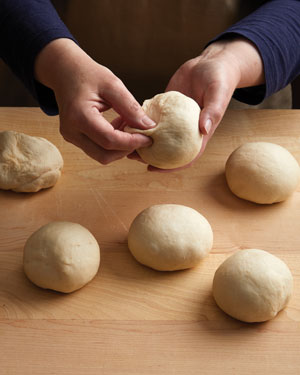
148, 122
208, 125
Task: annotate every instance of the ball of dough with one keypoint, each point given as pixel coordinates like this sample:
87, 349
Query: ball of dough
62, 256
252, 285
262, 172
170, 237
176, 139
28, 164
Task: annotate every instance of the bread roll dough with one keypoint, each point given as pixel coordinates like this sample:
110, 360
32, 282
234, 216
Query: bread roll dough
62, 256
176, 137
28, 164
170, 237
262, 172
252, 285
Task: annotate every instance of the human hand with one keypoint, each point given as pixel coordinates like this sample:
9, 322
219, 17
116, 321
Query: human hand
83, 90
211, 78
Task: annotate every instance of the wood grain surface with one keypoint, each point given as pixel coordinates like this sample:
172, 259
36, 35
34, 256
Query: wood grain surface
131, 319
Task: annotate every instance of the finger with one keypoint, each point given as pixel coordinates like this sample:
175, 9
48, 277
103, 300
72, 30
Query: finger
118, 123
96, 152
103, 106
126, 105
215, 101
100, 131
176, 84
135, 156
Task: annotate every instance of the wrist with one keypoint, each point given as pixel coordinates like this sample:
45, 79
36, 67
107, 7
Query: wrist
240, 55
57, 61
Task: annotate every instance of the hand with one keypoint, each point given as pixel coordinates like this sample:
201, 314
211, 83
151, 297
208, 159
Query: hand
83, 90
211, 78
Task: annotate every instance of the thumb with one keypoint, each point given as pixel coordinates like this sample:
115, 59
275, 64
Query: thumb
123, 102
215, 103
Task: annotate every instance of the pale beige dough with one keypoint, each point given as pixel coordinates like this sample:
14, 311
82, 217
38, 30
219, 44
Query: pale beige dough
252, 285
27, 163
176, 137
62, 256
262, 172
170, 237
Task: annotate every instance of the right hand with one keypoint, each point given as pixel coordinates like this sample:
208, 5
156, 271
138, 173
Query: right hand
83, 90
211, 78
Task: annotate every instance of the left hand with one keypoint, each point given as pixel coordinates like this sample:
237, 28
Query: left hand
211, 78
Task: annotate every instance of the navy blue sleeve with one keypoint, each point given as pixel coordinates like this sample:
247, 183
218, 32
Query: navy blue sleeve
26, 26
275, 30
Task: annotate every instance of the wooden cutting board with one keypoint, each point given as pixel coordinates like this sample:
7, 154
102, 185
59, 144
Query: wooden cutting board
131, 319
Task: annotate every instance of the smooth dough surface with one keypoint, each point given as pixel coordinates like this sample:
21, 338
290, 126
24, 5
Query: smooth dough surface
28, 164
176, 137
252, 285
262, 172
62, 256
170, 237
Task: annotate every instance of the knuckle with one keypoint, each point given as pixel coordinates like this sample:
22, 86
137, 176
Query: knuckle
190, 64
114, 83
188, 67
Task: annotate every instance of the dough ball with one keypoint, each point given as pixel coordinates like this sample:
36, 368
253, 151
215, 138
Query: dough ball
28, 164
62, 256
176, 137
170, 237
262, 172
252, 285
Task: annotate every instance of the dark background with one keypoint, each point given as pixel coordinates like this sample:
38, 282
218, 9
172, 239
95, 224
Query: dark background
13, 93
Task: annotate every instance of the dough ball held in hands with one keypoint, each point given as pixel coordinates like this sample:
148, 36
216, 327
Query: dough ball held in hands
170, 237
62, 256
176, 137
262, 172
28, 164
252, 285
